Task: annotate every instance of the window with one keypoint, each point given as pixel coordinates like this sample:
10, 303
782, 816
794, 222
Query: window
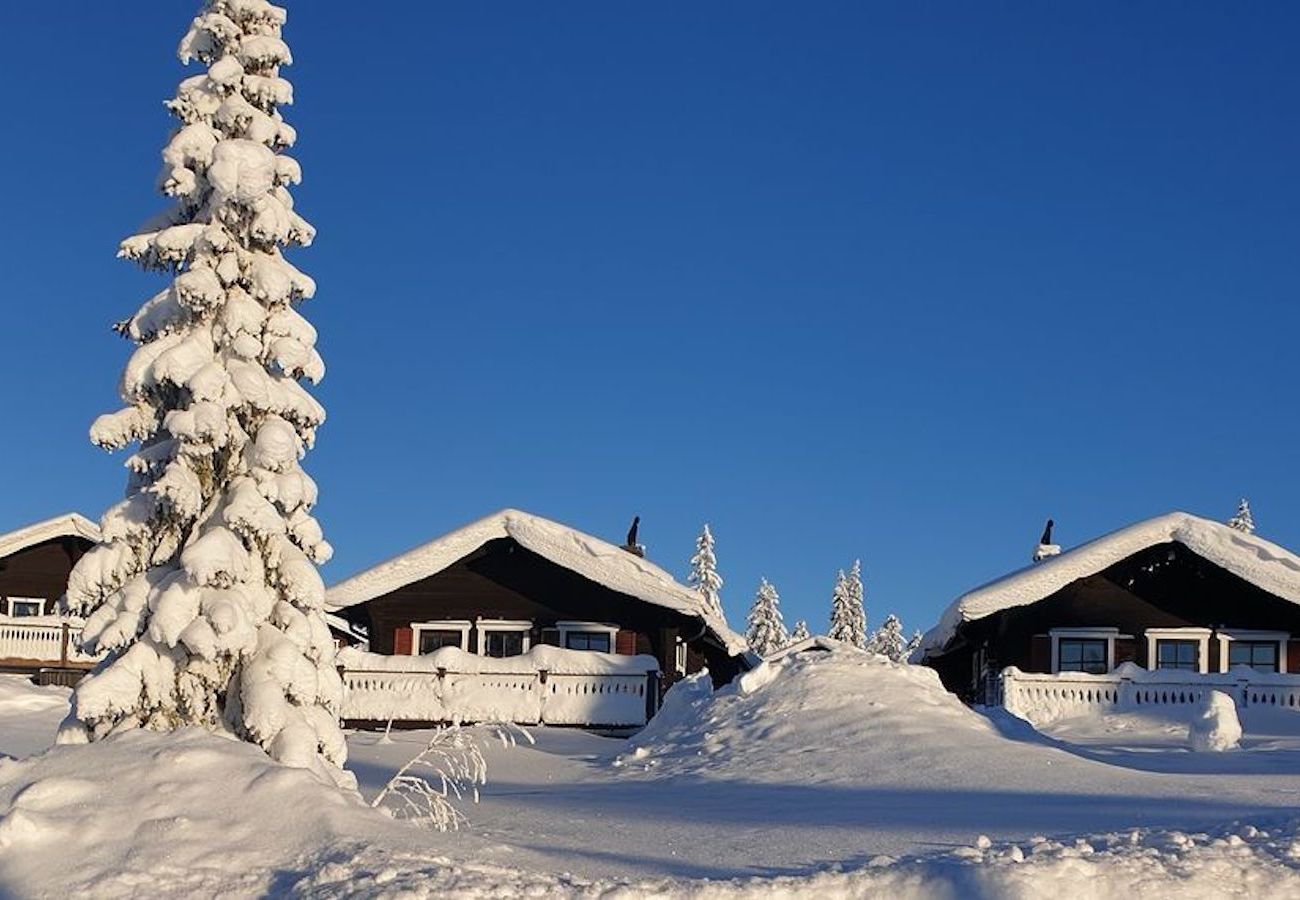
503, 643
1178, 654
1083, 655
431, 636
25, 606
587, 640
503, 637
1259, 655
436, 638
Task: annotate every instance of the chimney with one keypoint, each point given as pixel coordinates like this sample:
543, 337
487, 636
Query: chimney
632, 546
1045, 547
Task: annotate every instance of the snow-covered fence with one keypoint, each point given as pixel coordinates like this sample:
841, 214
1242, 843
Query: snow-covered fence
546, 686
48, 641
1041, 698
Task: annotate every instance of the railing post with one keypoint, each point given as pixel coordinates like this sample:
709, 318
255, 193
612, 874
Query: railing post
63, 647
1243, 686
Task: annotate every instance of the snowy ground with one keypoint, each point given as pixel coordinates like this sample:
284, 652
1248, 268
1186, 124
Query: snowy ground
835, 776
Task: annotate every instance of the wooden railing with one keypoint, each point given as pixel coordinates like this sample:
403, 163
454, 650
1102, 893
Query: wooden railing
1038, 697
525, 698
44, 643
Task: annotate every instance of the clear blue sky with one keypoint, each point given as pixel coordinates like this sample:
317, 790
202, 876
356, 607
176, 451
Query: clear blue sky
895, 281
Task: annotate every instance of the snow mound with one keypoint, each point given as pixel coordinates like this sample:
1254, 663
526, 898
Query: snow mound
187, 813
1216, 727
829, 715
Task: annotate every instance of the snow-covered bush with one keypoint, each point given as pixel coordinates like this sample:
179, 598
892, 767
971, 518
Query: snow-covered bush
204, 589
1216, 727
848, 613
449, 769
704, 575
766, 632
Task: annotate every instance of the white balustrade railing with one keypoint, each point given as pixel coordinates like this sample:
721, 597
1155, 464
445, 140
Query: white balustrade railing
1042, 698
46, 642
525, 698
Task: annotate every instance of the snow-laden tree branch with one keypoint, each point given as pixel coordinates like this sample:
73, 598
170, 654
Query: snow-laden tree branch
204, 589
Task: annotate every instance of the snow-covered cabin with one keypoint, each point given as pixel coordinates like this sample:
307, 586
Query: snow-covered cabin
512, 583
34, 566
1176, 592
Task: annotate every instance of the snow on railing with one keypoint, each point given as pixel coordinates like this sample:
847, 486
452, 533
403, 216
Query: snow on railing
48, 640
545, 686
1041, 698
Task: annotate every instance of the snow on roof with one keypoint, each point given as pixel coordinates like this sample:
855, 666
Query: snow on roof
590, 557
1262, 563
67, 525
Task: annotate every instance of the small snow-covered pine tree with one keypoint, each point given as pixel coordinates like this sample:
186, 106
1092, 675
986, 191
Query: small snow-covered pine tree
800, 632
848, 614
888, 640
913, 645
1243, 520
766, 632
704, 575
204, 590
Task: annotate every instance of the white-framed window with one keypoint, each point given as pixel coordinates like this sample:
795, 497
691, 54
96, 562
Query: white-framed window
1187, 649
427, 637
679, 660
1090, 650
598, 636
502, 637
1264, 651
25, 606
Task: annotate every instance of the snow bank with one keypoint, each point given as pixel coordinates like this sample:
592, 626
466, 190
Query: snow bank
1260, 562
1216, 727
592, 558
556, 660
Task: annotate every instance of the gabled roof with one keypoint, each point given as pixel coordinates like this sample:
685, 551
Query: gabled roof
1262, 563
67, 525
590, 557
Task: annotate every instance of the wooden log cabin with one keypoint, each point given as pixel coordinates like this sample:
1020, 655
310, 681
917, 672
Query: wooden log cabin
1176, 592
34, 565
513, 581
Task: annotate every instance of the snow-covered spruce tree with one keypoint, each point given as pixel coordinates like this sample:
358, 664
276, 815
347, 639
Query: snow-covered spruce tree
766, 632
913, 645
848, 615
888, 640
800, 632
204, 589
704, 575
1243, 520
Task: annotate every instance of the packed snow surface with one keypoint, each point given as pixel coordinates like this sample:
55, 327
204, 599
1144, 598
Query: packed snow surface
890, 788
592, 558
1249, 557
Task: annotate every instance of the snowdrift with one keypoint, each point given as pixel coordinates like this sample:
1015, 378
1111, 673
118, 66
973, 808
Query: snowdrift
816, 716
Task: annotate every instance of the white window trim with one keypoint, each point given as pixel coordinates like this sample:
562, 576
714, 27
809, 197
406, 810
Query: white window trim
461, 625
1200, 635
566, 627
482, 626
10, 601
1228, 635
680, 657
1108, 634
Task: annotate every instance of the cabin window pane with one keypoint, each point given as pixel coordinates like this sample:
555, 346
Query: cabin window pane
1261, 655
503, 643
1083, 655
1178, 655
25, 607
432, 639
587, 640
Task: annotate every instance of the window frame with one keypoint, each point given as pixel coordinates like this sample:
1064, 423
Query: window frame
1227, 636
482, 627
1109, 635
579, 627
461, 625
1183, 633
11, 604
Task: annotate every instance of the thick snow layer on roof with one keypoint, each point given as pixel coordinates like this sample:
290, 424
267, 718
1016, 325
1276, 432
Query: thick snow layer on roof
66, 525
1251, 558
590, 557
